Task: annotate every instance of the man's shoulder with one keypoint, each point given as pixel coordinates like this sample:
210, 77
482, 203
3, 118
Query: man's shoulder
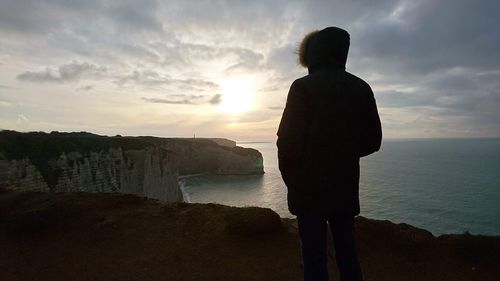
353, 79
346, 77
301, 80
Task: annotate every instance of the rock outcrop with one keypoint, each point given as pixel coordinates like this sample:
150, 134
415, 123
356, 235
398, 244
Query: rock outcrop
204, 156
145, 166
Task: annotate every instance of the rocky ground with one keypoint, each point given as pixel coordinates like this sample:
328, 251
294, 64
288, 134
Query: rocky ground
82, 236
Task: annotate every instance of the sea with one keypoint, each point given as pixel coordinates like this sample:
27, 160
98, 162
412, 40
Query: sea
442, 185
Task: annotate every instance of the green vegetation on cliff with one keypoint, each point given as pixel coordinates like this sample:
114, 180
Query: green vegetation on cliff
41, 145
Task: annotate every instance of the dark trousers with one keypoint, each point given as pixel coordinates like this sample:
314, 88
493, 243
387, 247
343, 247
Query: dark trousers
312, 232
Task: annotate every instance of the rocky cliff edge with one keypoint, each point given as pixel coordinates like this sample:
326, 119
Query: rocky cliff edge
89, 236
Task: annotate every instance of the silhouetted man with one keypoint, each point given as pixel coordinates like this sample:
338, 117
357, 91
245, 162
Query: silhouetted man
329, 122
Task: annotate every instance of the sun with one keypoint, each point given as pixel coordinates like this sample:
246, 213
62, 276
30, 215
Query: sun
237, 95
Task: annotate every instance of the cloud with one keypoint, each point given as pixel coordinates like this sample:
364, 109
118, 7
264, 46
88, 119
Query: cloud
32, 16
186, 99
148, 78
283, 61
85, 88
247, 60
420, 37
236, 59
168, 101
255, 116
216, 99
437, 57
154, 78
5, 103
71, 72
22, 119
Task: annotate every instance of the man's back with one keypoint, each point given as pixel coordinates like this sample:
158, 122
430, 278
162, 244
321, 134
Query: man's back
329, 122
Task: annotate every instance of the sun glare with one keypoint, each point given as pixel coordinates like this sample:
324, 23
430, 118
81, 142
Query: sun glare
236, 95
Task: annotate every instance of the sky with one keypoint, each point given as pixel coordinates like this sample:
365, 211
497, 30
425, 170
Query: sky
223, 68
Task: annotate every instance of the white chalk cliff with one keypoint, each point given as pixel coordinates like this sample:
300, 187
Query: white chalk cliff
144, 166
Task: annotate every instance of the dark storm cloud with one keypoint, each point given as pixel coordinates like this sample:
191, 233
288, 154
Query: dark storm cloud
65, 73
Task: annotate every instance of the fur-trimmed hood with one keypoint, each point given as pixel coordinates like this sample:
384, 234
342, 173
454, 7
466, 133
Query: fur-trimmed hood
324, 48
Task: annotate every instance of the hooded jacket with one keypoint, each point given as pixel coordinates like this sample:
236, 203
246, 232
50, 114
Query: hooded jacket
330, 120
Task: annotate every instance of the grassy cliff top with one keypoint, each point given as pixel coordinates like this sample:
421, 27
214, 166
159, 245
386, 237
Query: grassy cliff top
41, 145
79, 236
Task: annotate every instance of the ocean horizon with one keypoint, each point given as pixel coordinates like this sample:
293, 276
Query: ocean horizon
443, 185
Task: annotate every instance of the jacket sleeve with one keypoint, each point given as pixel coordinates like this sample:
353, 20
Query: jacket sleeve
371, 135
292, 131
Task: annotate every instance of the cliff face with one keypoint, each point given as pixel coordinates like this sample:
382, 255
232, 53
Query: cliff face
193, 157
145, 166
142, 172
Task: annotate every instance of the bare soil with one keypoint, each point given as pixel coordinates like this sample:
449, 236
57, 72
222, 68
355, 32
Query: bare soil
82, 236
